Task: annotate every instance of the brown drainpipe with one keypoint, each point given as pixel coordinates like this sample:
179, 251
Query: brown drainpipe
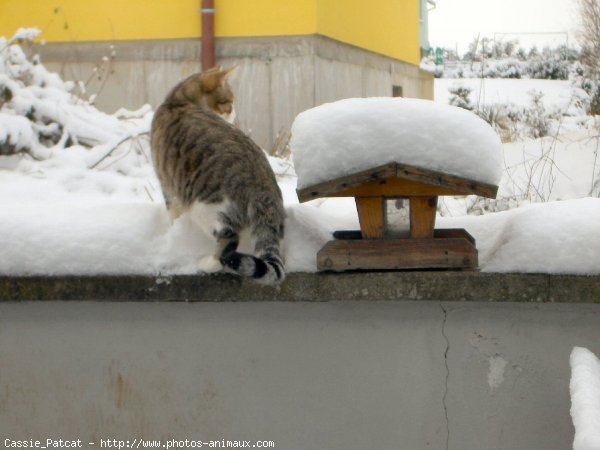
208, 34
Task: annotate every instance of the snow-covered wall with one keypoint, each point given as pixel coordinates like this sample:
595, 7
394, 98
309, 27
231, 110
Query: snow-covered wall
337, 375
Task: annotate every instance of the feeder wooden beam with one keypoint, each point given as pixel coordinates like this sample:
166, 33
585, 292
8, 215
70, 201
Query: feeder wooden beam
390, 179
371, 215
422, 216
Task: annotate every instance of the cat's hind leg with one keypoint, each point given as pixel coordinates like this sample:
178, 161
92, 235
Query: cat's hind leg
211, 219
174, 207
209, 264
216, 220
223, 223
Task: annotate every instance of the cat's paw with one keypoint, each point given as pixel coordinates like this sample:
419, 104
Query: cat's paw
209, 264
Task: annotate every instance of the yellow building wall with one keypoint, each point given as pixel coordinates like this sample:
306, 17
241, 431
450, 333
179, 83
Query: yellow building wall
237, 18
389, 27
99, 20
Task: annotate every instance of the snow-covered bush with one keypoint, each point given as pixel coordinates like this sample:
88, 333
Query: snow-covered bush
460, 96
548, 69
536, 117
39, 113
586, 76
497, 59
503, 118
504, 68
592, 89
513, 122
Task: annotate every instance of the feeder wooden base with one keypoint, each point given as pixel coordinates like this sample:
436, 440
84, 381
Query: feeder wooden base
448, 249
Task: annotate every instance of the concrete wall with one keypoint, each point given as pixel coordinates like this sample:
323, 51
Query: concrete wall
277, 78
337, 375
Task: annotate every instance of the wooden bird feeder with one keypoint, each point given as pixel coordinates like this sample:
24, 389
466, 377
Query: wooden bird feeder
374, 247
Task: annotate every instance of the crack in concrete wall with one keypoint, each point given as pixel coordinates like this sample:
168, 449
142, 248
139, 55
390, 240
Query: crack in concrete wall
445, 336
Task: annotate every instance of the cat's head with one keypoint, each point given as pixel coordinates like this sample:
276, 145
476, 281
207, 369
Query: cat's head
209, 90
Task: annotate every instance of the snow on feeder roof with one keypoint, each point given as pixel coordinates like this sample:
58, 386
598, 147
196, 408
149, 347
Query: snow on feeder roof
374, 149
354, 135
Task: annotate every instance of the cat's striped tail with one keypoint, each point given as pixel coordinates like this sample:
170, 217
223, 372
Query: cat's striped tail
266, 269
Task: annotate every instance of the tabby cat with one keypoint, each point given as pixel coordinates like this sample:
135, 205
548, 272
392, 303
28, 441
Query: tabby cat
212, 170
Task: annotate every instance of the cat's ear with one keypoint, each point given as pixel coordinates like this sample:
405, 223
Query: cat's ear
224, 74
215, 77
210, 79
214, 69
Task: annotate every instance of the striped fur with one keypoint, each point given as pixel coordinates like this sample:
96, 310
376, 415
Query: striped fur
206, 164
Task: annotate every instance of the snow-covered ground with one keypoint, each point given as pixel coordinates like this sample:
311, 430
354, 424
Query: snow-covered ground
557, 93
541, 106
78, 195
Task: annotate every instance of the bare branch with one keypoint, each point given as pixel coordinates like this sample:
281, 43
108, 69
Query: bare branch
114, 147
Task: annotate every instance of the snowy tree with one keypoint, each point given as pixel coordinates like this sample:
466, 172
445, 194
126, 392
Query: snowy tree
510, 47
504, 49
589, 37
533, 53
522, 54
589, 32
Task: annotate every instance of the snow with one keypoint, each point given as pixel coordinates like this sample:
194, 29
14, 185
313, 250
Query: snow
105, 238
552, 168
86, 200
553, 237
352, 135
585, 399
557, 94
26, 34
16, 130
49, 106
